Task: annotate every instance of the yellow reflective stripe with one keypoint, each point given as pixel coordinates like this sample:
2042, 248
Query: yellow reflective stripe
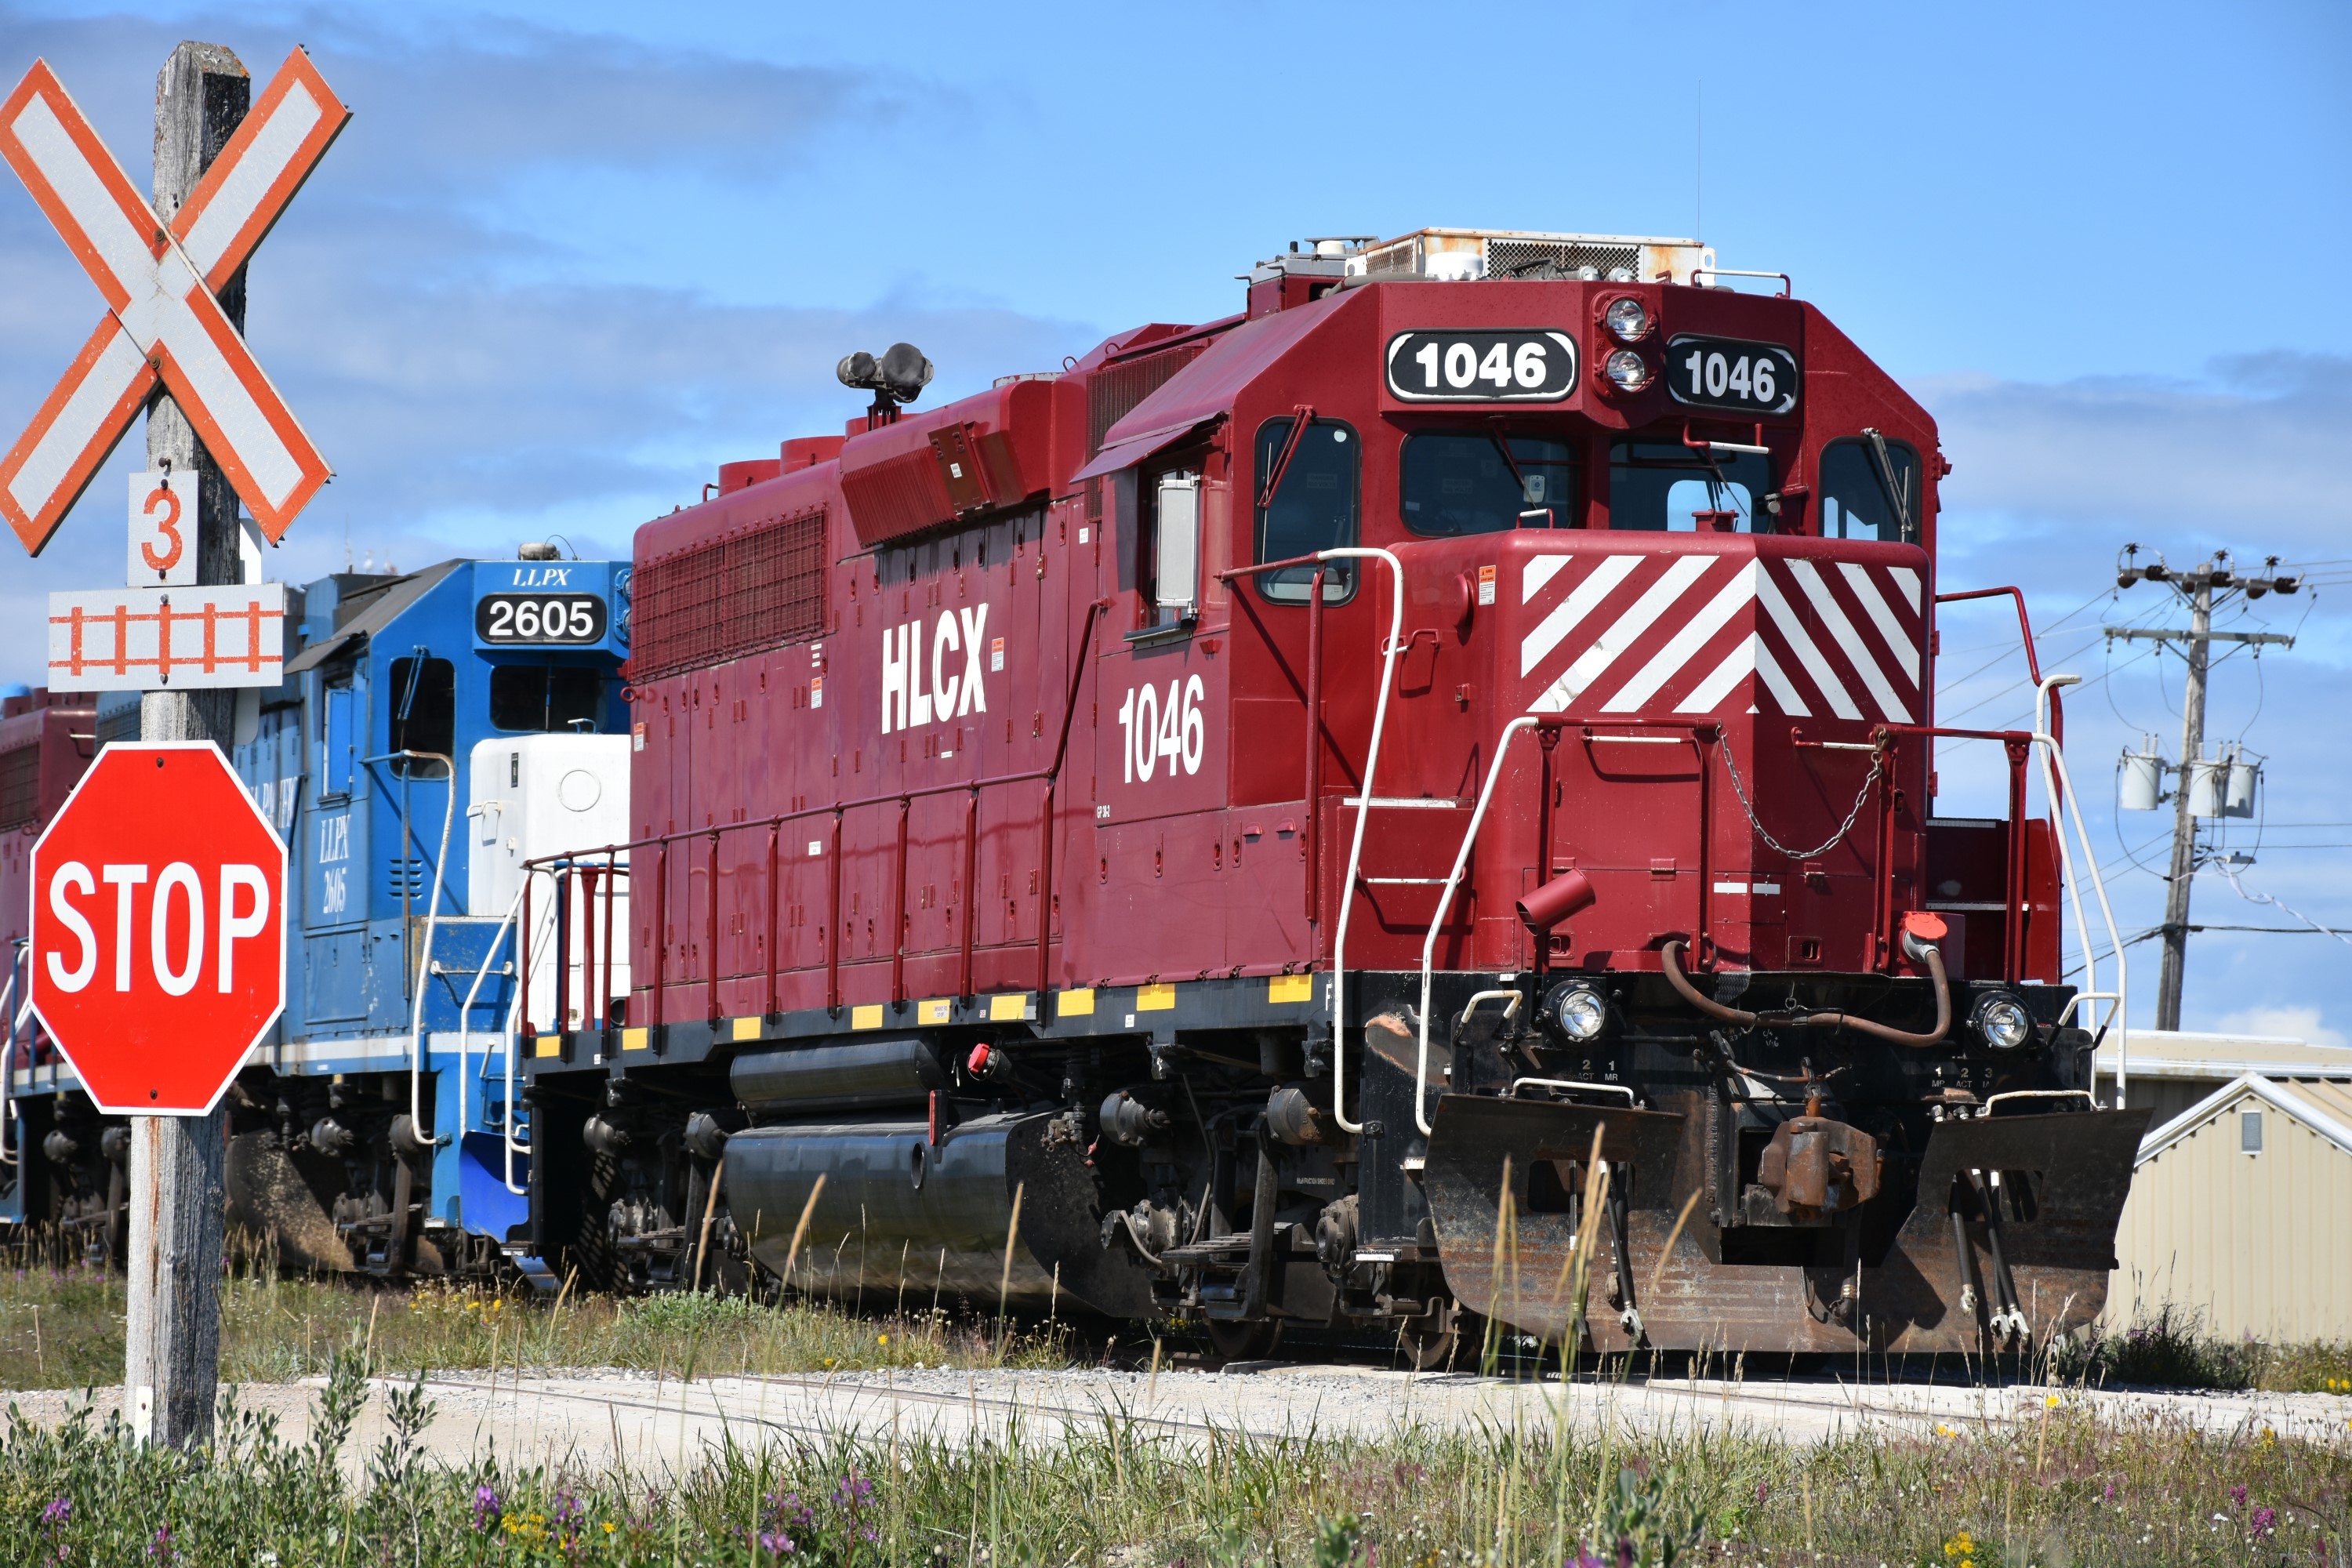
936, 1012
1290, 988
868, 1016
636, 1039
747, 1028
1008, 1009
1077, 1003
548, 1046
1155, 998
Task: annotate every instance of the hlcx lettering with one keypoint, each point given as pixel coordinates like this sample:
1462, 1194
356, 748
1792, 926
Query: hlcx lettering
906, 703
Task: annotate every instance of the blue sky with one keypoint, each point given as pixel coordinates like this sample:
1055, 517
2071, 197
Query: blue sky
567, 259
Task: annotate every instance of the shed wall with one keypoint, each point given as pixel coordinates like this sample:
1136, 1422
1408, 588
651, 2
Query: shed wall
2259, 1243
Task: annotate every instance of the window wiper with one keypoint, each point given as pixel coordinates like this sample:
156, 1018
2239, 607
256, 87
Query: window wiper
1899, 494
1502, 445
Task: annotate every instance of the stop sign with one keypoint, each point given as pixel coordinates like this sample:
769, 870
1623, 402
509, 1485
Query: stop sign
159, 936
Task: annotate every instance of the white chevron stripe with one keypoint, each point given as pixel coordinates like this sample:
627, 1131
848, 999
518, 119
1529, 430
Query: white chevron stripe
1908, 581
1882, 615
1580, 603
1858, 655
1768, 593
1654, 601
1736, 665
1538, 571
1776, 680
1685, 645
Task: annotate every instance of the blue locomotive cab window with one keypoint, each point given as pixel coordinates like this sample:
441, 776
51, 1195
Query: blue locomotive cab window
1666, 486
424, 713
1865, 498
1458, 482
1307, 492
544, 697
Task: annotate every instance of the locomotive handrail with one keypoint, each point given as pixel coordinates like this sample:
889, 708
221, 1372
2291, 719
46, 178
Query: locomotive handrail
1050, 775
2057, 725
1315, 757
431, 918
2056, 777
465, 1009
9, 1041
1702, 733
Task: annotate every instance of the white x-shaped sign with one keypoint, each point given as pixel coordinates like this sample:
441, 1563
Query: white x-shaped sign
160, 283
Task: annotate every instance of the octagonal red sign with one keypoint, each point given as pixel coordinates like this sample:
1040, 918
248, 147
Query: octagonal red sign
159, 932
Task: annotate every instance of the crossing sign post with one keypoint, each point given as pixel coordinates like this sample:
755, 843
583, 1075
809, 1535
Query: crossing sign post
159, 928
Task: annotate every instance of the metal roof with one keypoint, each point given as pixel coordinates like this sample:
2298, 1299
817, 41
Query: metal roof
385, 604
2324, 1107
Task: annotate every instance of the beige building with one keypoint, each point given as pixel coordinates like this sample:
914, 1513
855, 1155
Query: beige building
2240, 1208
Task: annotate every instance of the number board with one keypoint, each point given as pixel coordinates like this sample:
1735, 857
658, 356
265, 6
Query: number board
1529, 366
549, 604
1730, 375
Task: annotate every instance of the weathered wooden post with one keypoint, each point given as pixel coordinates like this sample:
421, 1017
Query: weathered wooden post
172, 1361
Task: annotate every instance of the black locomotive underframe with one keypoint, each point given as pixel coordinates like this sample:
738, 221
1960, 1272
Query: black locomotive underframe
1349, 1236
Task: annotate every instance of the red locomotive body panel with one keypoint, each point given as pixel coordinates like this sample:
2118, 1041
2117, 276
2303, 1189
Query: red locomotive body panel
942, 588
46, 741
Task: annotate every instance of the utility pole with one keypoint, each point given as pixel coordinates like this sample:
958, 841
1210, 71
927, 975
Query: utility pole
2199, 588
178, 1187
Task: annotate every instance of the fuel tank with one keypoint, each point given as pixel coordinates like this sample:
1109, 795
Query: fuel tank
904, 1218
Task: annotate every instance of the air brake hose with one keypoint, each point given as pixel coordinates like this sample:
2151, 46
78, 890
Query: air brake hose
1670, 960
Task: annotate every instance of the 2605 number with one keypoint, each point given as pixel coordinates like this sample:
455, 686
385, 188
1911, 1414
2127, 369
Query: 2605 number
1532, 366
1152, 728
540, 618
1727, 373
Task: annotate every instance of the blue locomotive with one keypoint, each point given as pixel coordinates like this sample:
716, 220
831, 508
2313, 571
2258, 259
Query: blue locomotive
434, 730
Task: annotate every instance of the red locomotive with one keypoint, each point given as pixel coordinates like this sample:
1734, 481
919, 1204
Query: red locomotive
1299, 818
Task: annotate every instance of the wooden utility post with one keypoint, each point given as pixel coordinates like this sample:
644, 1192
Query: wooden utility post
178, 1193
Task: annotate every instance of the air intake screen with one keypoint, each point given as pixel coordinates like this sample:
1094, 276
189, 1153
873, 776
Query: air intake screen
1113, 390
20, 785
718, 601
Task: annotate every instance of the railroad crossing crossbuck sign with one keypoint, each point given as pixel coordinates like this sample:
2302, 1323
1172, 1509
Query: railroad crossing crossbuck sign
160, 283
159, 928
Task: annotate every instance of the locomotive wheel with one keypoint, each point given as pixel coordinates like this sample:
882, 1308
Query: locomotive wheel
1435, 1342
1232, 1341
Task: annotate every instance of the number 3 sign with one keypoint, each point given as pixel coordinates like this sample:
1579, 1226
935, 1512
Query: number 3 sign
162, 531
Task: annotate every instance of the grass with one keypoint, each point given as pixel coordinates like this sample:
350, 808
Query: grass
2059, 1488
63, 1329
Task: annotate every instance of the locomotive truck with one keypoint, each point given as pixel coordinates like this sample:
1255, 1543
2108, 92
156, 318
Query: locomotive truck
434, 730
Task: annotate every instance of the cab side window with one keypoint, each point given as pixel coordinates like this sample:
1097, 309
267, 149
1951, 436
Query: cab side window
1865, 497
1308, 485
424, 713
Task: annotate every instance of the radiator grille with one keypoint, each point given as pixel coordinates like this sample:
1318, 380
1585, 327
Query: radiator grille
20, 785
758, 589
1539, 259
1113, 390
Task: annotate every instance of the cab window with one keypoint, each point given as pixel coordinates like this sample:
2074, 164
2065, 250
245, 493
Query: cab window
1307, 493
1864, 498
542, 699
1458, 482
424, 714
1666, 486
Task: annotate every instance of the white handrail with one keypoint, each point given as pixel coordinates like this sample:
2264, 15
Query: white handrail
1364, 814
466, 1012
2055, 778
8, 1042
1446, 902
425, 959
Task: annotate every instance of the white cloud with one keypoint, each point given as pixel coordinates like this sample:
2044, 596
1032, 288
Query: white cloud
2286, 1022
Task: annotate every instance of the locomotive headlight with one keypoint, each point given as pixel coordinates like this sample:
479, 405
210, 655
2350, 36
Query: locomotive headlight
2001, 1021
1626, 372
1581, 1012
1626, 321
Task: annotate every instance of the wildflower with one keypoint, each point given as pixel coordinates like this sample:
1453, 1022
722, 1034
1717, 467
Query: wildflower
2238, 1496
881, 1339
2050, 1401
2111, 1492
161, 1547
1763, 1491
57, 1513
487, 1511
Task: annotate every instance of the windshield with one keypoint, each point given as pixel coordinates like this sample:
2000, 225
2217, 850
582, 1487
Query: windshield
1456, 482
1312, 506
1666, 485
1856, 500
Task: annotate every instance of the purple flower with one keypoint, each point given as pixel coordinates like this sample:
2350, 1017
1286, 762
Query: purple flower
567, 1508
777, 1544
162, 1545
57, 1513
2266, 1520
487, 1511
2111, 1492
2238, 1496
1763, 1491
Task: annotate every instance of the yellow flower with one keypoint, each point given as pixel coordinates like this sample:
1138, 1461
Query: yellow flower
2050, 1401
610, 1527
